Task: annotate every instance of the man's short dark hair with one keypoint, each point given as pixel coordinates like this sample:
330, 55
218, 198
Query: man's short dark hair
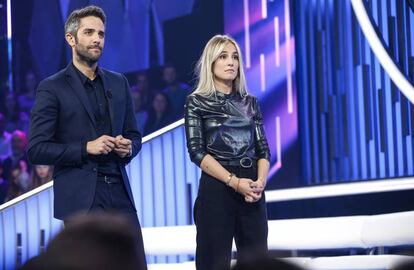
94, 241
73, 21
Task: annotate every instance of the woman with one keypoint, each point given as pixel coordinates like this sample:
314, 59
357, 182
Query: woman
41, 174
225, 137
141, 115
159, 115
20, 181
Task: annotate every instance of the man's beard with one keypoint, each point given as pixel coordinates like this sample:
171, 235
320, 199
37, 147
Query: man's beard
85, 56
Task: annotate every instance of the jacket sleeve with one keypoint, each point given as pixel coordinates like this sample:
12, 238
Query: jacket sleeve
43, 149
262, 147
130, 130
194, 130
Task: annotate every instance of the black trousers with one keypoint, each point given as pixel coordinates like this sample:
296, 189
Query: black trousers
114, 198
221, 214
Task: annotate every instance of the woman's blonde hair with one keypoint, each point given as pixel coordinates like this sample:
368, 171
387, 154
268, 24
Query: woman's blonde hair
204, 68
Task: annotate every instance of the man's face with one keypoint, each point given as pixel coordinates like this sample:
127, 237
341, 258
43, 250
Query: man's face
18, 144
169, 75
89, 41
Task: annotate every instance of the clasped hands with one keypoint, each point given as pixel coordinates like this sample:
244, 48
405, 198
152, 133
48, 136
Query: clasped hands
106, 144
249, 189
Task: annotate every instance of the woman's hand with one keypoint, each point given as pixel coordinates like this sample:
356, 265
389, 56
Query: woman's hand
258, 188
250, 190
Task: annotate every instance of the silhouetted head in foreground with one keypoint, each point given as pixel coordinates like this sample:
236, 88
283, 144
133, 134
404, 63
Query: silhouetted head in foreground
265, 263
95, 241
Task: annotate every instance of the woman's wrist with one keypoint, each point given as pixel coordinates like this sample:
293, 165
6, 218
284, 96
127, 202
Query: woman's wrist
262, 181
234, 183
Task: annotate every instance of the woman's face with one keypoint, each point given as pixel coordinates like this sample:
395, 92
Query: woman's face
159, 103
226, 67
42, 171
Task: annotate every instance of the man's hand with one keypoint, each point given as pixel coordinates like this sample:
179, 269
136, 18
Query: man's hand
123, 146
102, 145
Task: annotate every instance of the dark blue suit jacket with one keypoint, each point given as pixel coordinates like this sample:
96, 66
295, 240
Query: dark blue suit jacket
62, 121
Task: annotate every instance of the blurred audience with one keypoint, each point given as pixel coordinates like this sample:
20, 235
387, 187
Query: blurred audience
141, 115
11, 112
159, 115
5, 138
19, 181
3, 185
95, 241
143, 86
18, 153
176, 91
41, 174
28, 93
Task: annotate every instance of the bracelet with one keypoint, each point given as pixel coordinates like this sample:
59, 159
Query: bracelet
229, 179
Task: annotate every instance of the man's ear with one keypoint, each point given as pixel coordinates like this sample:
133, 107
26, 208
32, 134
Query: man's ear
70, 39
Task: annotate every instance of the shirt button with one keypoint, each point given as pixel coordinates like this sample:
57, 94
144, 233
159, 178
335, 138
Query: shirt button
94, 169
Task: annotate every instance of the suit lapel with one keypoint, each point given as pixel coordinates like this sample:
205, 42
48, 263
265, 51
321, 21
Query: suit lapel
76, 85
108, 95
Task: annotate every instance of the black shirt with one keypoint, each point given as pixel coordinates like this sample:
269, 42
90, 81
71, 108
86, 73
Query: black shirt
107, 164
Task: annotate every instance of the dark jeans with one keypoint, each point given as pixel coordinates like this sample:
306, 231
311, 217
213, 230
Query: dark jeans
221, 214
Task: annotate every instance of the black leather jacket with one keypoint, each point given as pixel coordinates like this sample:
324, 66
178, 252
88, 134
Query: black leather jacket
226, 126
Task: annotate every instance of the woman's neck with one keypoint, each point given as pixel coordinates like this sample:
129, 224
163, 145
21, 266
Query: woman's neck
225, 87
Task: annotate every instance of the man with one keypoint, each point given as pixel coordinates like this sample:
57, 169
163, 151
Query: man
5, 138
176, 91
83, 123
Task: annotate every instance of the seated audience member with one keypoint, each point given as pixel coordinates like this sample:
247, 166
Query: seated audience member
265, 263
5, 138
18, 153
41, 174
159, 115
11, 111
3, 185
27, 97
94, 241
19, 181
176, 91
141, 115
143, 85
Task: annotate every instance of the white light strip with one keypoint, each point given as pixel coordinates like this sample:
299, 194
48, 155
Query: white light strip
246, 32
9, 44
163, 130
386, 62
278, 149
26, 195
278, 144
264, 9
288, 59
9, 27
332, 190
262, 73
277, 45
